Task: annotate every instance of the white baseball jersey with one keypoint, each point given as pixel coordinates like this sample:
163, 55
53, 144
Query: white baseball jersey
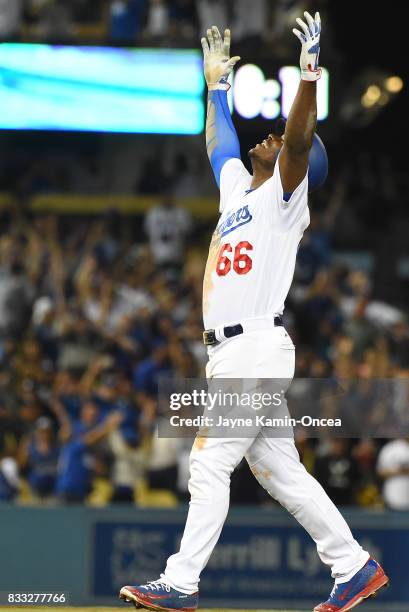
254, 247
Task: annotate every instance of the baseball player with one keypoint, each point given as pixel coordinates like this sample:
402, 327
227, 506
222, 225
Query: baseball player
248, 275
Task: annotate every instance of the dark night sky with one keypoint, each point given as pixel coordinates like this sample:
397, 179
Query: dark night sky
375, 34
368, 35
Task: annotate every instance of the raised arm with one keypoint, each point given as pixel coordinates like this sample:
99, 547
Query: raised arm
112, 422
302, 120
221, 138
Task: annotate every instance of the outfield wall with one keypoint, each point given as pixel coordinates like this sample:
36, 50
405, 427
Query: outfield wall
262, 560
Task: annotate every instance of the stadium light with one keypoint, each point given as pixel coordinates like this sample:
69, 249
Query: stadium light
369, 93
371, 96
394, 84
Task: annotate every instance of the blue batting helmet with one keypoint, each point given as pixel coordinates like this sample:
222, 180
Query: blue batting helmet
318, 164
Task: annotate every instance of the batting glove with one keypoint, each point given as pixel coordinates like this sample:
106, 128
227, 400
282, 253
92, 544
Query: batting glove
217, 61
310, 46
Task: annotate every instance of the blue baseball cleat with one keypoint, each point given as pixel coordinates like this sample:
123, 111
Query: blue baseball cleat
366, 583
157, 595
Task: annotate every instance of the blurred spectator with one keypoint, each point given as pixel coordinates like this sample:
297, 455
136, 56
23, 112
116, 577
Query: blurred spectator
167, 226
126, 443
319, 305
67, 391
361, 331
126, 20
9, 474
158, 19
77, 463
399, 345
79, 343
393, 468
365, 454
15, 298
29, 407
213, 12
162, 468
183, 19
45, 328
337, 472
250, 17
315, 249
38, 458
55, 20
10, 18
128, 466
9, 479
148, 373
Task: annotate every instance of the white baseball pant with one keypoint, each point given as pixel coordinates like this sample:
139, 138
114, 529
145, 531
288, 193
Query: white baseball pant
267, 352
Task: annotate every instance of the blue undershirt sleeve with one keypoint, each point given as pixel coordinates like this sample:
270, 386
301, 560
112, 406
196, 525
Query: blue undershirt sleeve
223, 143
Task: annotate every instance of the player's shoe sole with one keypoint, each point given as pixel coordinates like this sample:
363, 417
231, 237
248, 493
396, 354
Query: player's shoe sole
129, 597
139, 601
371, 590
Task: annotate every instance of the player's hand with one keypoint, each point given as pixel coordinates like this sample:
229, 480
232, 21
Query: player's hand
217, 61
310, 46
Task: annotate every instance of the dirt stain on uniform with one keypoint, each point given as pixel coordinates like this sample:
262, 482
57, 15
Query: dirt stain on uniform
211, 263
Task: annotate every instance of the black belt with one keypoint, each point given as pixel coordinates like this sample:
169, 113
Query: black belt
209, 336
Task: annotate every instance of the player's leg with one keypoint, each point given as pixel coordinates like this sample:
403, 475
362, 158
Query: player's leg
212, 462
276, 465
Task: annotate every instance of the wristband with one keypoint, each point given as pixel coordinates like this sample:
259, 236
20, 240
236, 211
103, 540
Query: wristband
311, 75
222, 86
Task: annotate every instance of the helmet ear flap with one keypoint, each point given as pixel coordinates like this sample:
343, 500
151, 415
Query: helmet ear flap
317, 161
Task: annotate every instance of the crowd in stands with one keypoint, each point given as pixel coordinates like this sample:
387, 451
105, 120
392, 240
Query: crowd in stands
170, 22
95, 311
